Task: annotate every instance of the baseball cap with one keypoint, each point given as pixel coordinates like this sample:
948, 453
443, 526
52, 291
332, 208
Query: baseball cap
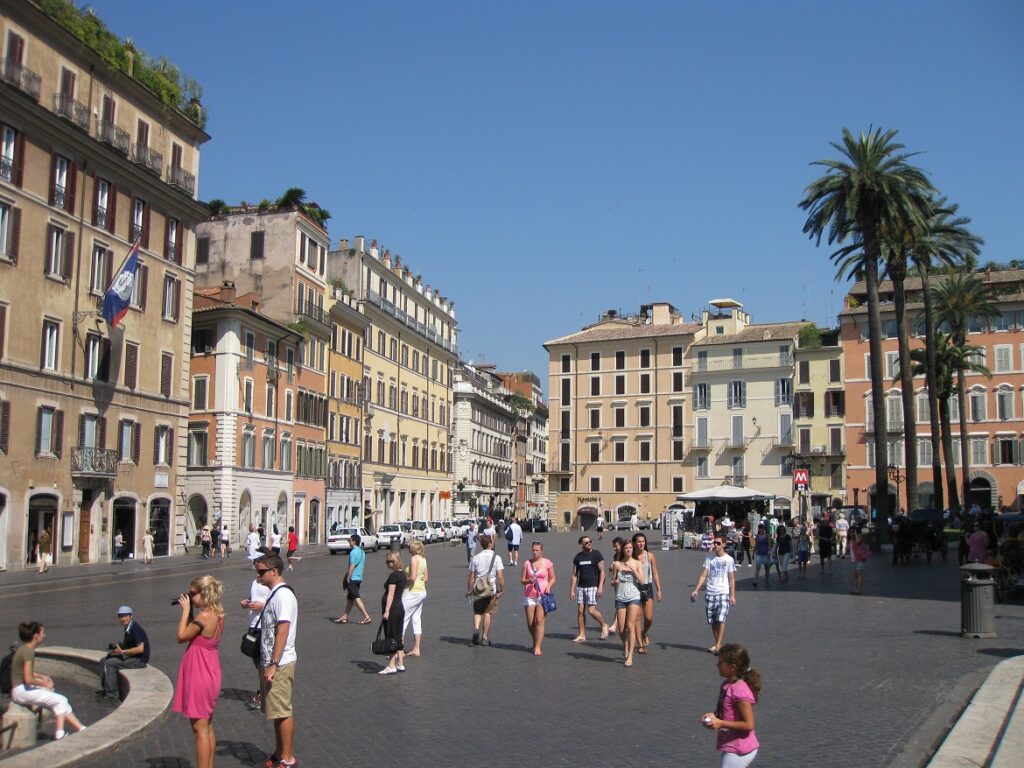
124, 610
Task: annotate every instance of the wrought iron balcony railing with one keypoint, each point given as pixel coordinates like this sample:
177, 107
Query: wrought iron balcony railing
93, 462
152, 161
116, 137
182, 179
72, 110
22, 78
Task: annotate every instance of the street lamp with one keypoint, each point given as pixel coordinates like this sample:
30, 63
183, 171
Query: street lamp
896, 477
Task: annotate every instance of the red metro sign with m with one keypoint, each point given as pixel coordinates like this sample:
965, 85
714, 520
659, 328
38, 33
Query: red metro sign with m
801, 479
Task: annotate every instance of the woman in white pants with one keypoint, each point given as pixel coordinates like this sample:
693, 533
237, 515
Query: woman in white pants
415, 595
29, 688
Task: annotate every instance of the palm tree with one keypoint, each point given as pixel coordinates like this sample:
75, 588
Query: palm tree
949, 359
944, 241
870, 190
959, 298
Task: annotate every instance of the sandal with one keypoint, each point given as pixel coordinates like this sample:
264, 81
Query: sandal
341, 620
367, 620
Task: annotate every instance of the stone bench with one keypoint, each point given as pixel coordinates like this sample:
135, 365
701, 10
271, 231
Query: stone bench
145, 694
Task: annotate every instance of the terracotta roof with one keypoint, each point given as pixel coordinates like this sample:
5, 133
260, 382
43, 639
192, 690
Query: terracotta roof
753, 333
888, 306
609, 330
913, 282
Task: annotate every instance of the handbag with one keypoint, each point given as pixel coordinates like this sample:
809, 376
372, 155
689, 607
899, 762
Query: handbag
383, 645
547, 600
483, 586
251, 639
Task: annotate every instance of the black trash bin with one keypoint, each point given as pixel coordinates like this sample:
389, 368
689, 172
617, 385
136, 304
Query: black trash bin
977, 601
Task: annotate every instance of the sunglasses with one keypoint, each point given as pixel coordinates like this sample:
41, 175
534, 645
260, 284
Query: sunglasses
261, 571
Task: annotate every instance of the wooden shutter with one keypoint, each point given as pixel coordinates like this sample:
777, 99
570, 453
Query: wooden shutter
101, 429
131, 362
120, 438
145, 225
69, 195
177, 299
39, 430
179, 243
302, 248
53, 178
167, 237
170, 447
95, 200
3, 327
136, 442
5, 426
143, 277
42, 347
81, 430
108, 269
58, 433
69, 256
19, 159
156, 446
14, 234
165, 374
112, 210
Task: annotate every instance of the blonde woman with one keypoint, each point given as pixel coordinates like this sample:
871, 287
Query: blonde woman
416, 594
201, 625
392, 612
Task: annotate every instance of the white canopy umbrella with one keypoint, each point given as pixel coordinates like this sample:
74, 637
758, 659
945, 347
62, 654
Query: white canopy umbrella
725, 493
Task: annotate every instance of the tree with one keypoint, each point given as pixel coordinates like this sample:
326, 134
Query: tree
959, 298
870, 190
943, 241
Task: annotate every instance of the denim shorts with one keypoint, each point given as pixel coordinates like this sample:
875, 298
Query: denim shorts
626, 603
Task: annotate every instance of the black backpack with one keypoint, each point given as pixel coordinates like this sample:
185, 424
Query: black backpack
5, 674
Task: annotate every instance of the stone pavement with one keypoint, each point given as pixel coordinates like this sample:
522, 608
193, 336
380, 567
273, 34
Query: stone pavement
875, 680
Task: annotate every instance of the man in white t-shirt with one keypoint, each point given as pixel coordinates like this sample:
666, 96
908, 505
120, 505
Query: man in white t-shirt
277, 656
514, 542
258, 594
719, 573
843, 533
486, 564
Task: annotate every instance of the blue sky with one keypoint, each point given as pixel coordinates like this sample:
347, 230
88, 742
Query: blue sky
540, 162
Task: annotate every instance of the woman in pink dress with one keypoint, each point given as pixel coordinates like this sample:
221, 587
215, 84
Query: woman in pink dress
201, 626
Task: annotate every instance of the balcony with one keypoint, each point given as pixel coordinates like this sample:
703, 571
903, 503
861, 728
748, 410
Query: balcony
892, 426
93, 462
146, 157
738, 480
820, 451
72, 110
429, 333
182, 179
737, 442
115, 137
747, 362
315, 318
782, 441
699, 444
22, 78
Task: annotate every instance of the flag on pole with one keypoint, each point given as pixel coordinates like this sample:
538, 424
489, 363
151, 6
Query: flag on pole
119, 294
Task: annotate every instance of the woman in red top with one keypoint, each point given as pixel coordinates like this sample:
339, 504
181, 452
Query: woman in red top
293, 547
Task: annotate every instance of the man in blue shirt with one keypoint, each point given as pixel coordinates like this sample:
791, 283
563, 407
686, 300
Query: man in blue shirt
353, 580
131, 653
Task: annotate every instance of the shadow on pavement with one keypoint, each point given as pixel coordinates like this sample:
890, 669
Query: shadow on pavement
1002, 653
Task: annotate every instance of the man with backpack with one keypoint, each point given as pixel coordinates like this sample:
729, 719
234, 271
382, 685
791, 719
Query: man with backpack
485, 583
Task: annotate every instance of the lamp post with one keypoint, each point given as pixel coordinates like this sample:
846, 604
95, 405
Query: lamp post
896, 477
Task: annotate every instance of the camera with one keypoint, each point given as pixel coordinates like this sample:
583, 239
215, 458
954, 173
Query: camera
111, 646
174, 601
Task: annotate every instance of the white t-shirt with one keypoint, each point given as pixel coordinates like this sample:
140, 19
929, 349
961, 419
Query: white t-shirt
252, 543
843, 527
258, 593
517, 534
275, 540
719, 569
491, 532
480, 565
284, 606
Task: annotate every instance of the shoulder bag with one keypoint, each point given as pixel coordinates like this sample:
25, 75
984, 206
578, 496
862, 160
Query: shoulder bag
547, 599
251, 639
383, 645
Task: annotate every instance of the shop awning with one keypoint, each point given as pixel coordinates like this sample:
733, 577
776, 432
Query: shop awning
725, 493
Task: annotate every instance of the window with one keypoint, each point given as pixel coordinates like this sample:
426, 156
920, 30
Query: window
172, 240
620, 417
97, 357
595, 452
737, 438
595, 386
565, 363
977, 403
785, 429
701, 397
100, 272
1004, 404
677, 356
924, 452
249, 447
60, 253
678, 450
892, 365
286, 452
12, 152
256, 245
202, 250
199, 386
10, 232
645, 485
786, 464
1004, 358
702, 467
128, 440
139, 229
166, 366
783, 392
954, 408
835, 440
49, 432
171, 307
595, 418
131, 365
702, 360
702, 439
620, 485
979, 451
737, 469
645, 358
677, 381
737, 358
803, 405
62, 187
645, 450
566, 391
595, 485
104, 205
804, 440
645, 415
645, 383
620, 450
49, 355
834, 374
197, 445
923, 414
271, 401
738, 394
140, 287
677, 484
620, 384
267, 451
163, 437
804, 370
620, 361
1007, 451
595, 361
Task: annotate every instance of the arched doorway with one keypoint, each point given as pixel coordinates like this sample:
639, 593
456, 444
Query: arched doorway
586, 518
124, 521
160, 525
982, 492
281, 513
42, 515
195, 520
245, 519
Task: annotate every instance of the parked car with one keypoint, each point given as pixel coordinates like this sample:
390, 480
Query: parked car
389, 532
449, 528
338, 539
535, 525
440, 532
423, 531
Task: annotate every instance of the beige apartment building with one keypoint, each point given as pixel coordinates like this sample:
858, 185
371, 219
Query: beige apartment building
94, 420
280, 257
741, 375
619, 404
410, 351
345, 410
819, 420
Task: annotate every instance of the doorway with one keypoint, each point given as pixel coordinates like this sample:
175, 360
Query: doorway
587, 518
42, 514
980, 494
85, 525
124, 521
160, 525
314, 522
195, 520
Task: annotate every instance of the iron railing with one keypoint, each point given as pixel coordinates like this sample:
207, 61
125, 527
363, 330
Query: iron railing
746, 362
72, 110
22, 78
116, 137
146, 157
94, 462
182, 179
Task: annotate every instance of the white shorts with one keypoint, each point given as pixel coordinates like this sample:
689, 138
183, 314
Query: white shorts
528, 601
41, 697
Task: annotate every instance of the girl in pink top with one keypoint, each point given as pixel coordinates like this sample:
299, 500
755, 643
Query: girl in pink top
733, 718
977, 546
538, 577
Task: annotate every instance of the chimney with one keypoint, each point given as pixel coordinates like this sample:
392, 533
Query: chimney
343, 244
227, 292
360, 244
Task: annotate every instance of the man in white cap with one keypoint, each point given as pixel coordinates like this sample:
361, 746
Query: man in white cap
131, 653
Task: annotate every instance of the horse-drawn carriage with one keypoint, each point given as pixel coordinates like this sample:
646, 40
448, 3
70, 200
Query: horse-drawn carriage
920, 533
1009, 555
